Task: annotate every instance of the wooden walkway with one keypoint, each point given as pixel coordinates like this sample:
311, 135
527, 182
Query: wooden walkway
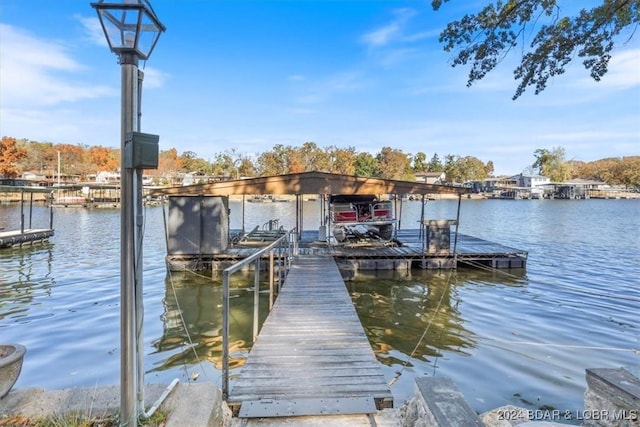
312, 356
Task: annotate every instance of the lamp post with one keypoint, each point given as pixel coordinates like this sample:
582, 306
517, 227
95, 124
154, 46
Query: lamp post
132, 30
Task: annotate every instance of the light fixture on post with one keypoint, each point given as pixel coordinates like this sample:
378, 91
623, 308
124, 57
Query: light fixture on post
132, 30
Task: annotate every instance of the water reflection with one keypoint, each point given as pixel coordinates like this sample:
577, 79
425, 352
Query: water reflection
418, 315
192, 320
407, 318
29, 280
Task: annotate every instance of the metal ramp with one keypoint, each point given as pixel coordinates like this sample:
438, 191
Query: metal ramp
312, 356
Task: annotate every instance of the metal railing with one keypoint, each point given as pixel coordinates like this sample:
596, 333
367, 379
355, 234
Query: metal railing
285, 247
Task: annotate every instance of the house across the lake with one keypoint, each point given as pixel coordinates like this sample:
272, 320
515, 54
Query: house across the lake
431, 177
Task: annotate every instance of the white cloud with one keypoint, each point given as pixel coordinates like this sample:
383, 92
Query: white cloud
302, 111
390, 32
93, 30
589, 135
36, 72
320, 91
154, 78
623, 71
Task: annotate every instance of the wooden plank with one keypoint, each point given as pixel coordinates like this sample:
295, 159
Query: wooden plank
303, 407
311, 347
471, 251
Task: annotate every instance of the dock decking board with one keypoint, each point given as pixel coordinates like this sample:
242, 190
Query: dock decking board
312, 349
471, 251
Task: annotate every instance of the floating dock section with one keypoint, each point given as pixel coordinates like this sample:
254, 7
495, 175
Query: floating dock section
312, 356
26, 237
471, 252
26, 234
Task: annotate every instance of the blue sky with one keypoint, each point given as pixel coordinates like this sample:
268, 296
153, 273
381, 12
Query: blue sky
247, 75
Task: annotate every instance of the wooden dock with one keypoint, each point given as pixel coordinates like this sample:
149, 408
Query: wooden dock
312, 356
470, 252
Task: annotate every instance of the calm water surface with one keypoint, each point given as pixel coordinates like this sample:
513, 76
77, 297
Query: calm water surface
504, 337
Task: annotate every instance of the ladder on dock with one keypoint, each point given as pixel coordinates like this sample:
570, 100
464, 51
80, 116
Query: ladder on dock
312, 356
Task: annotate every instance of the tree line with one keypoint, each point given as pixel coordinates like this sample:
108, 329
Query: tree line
19, 156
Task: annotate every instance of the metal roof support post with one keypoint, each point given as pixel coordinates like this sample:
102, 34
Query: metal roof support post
30, 210
455, 240
51, 212
400, 216
22, 211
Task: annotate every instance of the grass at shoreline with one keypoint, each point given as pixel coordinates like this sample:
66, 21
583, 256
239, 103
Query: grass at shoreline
158, 419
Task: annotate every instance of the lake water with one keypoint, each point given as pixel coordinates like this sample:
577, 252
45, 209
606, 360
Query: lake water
504, 337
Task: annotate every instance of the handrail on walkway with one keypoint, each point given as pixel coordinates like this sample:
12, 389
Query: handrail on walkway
286, 247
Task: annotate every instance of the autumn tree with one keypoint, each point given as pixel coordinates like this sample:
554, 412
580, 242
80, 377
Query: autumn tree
552, 164
168, 162
192, 163
471, 168
36, 158
630, 171
10, 155
484, 39
464, 169
613, 170
246, 167
274, 162
72, 159
295, 161
315, 158
343, 160
489, 168
100, 159
394, 164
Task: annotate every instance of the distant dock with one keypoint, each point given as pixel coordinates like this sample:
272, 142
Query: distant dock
27, 237
26, 234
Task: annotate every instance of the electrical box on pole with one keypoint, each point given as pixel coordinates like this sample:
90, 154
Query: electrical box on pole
141, 151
